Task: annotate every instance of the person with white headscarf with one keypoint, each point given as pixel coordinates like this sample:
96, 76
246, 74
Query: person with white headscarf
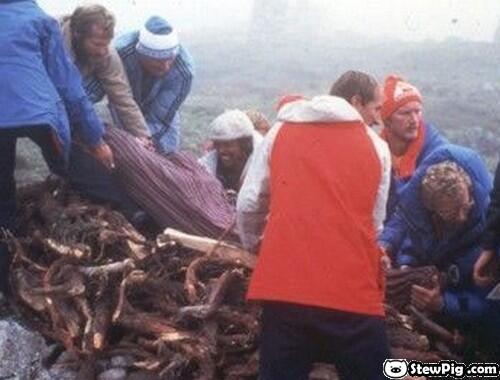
234, 140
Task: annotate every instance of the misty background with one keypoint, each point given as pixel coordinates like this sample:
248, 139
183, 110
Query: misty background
250, 52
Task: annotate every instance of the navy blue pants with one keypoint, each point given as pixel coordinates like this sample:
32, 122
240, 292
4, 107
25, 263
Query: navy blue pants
43, 136
295, 337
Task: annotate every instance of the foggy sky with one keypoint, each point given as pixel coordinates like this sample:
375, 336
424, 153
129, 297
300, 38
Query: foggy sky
402, 19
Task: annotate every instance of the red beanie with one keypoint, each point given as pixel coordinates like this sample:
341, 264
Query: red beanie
288, 99
397, 93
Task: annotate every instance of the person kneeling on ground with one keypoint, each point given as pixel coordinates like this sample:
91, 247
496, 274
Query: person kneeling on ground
442, 211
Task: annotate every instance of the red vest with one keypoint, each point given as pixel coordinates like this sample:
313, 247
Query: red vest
319, 246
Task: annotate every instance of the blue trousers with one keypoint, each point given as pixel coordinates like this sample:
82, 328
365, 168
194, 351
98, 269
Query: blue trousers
43, 136
294, 337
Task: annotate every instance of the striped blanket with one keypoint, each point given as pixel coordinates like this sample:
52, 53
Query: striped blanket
174, 190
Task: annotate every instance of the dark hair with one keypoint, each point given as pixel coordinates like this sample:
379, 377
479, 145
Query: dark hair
246, 144
353, 83
84, 18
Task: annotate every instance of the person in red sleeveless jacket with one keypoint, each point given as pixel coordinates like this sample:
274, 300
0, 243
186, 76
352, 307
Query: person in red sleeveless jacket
311, 192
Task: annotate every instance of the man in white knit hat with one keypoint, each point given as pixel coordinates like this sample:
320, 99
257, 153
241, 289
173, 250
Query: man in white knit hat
160, 72
234, 140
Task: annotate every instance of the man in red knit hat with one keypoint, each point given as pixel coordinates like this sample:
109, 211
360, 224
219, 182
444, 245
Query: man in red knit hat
410, 139
312, 193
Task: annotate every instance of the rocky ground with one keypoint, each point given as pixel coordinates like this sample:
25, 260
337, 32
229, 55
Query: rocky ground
22, 352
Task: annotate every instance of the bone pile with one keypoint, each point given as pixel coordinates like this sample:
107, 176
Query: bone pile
86, 279
413, 334
170, 307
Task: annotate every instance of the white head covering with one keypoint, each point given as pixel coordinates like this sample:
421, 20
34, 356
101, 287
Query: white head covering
158, 39
231, 125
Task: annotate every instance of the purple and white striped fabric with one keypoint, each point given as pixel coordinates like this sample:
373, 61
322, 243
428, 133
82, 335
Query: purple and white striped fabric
175, 190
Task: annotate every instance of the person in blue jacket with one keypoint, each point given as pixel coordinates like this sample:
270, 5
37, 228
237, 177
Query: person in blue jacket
41, 95
442, 211
486, 269
411, 140
160, 71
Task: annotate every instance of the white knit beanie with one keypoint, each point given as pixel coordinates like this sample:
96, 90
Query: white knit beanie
158, 39
231, 125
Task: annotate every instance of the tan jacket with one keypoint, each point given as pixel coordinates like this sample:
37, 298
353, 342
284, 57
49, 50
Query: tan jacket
111, 74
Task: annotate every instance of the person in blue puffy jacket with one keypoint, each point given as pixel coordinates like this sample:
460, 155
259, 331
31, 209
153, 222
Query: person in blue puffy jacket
442, 211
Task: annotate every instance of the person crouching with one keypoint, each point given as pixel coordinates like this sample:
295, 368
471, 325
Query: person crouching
234, 139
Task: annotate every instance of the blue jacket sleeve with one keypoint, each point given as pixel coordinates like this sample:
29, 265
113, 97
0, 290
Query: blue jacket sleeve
67, 80
491, 238
394, 233
406, 255
408, 207
408, 212
174, 90
465, 305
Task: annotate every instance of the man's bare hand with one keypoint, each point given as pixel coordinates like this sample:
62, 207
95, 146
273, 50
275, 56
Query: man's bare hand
104, 155
428, 299
385, 262
146, 142
484, 269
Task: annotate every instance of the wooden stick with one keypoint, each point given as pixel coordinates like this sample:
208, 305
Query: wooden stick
136, 276
215, 297
115, 267
78, 251
208, 246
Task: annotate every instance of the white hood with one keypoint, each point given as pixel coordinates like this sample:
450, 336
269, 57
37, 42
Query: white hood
321, 109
